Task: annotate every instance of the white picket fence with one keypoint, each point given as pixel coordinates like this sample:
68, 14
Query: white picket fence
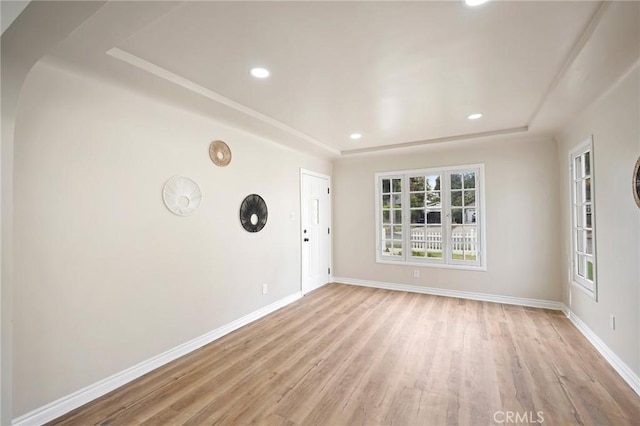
462, 241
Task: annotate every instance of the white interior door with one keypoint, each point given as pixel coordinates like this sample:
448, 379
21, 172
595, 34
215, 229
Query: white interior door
315, 218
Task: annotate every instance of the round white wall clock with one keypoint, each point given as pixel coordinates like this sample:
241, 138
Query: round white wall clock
181, 195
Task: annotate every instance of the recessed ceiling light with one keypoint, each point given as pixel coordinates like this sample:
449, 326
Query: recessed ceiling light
259, 72
475, 2
474, 116
355, 135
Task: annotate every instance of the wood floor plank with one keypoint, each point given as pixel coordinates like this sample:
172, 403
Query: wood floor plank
152, 383
195, 391
320, 336
346, 355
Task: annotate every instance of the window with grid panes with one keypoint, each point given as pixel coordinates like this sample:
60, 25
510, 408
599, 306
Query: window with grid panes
582, 218
430, 217
392, 240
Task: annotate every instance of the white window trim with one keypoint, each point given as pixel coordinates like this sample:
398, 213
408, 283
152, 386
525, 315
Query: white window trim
482, 225
576, 282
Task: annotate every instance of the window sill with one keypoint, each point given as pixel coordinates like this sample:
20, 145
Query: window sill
591, 293
480, 268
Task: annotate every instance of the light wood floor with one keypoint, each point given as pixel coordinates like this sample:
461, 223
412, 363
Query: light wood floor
347, 355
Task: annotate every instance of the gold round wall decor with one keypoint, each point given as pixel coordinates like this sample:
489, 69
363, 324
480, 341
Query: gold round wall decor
220, 153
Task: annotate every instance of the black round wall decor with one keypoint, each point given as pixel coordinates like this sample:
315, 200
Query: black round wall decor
253, 213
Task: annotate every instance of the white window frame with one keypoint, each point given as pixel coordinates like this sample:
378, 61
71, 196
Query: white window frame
480, 264
589, 287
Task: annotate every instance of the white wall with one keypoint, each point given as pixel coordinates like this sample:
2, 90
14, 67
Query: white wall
521, 207
21, 49
614, 122
105, 276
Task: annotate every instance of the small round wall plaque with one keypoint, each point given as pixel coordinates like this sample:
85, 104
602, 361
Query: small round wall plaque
220, 153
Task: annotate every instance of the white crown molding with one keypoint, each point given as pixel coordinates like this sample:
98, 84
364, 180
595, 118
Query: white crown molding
158, 71
577, 48
70, 402
453, 138
509, 300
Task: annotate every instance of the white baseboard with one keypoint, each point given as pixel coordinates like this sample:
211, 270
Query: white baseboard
623, 369
70, 402
520, 301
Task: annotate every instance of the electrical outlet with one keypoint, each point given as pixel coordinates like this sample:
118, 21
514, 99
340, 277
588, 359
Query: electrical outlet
612, 321
264, 289
416, 273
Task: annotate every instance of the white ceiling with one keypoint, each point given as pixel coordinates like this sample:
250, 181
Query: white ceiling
9, 11
400, 73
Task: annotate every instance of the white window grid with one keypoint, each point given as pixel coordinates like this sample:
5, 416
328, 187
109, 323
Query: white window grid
452, 240
583, 218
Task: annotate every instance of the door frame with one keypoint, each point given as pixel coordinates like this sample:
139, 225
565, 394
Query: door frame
330, 224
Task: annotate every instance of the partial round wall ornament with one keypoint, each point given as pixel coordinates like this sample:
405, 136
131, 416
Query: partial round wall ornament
253, 213
181, 195
220, 153
636, 182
